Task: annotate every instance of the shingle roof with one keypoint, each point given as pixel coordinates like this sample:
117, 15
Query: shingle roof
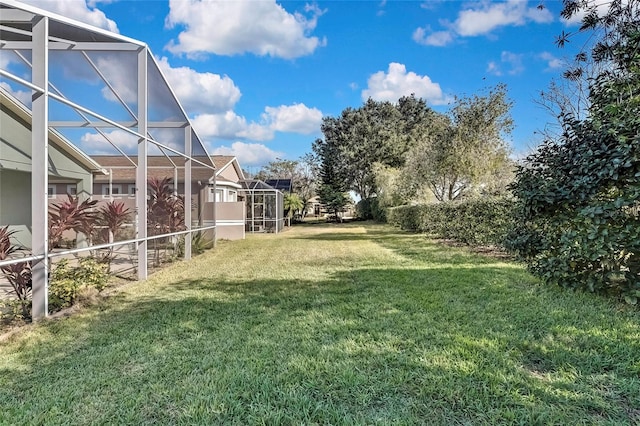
157, 166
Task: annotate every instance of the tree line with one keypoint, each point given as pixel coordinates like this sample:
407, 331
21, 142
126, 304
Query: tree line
406, 151
576, 197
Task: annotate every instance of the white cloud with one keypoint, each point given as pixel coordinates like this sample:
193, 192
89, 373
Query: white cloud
6, 58
397, 82
263, 28
226, 125
200, 92
482, 18
494, 68
509, 60
436, 38
249, 154
257, 132
94, 143
296, 118
553, 63
78, 10
23, 96
229, 125
514, 60
197, 92
118, 70
473, 22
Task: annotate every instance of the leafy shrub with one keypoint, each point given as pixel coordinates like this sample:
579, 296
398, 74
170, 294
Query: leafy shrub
473, 222
577, 216
14, 309
405, 217
370, 209
67, 281
92, 273
63, 289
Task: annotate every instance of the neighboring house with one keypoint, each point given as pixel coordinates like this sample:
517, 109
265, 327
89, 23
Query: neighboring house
230, 205
315, 207
119, 184
70, 170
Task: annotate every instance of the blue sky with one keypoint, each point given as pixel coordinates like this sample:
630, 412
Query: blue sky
257, 77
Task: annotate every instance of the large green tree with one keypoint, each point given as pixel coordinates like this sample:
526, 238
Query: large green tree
375, 133
278, 169
460, 151
578, 222
333, 188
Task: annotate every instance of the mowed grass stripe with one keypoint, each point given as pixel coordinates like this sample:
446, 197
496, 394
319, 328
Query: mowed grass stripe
330, 324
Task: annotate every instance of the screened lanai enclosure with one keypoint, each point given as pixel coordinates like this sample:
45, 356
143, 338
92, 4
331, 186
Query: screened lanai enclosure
97, 156
265, 207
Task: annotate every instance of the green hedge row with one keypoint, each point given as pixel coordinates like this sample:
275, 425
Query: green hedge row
475, 222
370, 209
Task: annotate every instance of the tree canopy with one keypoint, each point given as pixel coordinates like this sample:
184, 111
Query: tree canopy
463, 149
448, 153
376, 132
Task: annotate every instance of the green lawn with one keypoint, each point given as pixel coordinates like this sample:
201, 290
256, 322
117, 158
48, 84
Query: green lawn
330, 324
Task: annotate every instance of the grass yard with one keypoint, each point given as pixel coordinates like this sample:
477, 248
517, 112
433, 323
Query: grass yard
330, 324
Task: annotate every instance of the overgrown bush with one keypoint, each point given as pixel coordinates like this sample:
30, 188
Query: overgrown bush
370, 209
67, 281
474, 222
405, 217
577, 216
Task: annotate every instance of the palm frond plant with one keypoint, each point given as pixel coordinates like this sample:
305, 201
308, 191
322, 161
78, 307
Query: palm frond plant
165, 211
18, 274
71, 214
292, 203
112, 215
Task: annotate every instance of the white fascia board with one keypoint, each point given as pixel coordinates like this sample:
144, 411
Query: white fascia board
227, 183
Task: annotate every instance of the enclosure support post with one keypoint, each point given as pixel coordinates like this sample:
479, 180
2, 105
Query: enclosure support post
277, 213
141, 171
188, 188
215, 207
40, 167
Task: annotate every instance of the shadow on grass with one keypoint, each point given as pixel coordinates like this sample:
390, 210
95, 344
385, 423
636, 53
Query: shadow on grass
443, 346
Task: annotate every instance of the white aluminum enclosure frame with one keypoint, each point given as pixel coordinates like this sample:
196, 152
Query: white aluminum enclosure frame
253, 188
27, 31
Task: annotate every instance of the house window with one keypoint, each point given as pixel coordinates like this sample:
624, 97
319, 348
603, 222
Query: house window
116, 191
51, 191
219, 193
233, 196
72, 189
132, 191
